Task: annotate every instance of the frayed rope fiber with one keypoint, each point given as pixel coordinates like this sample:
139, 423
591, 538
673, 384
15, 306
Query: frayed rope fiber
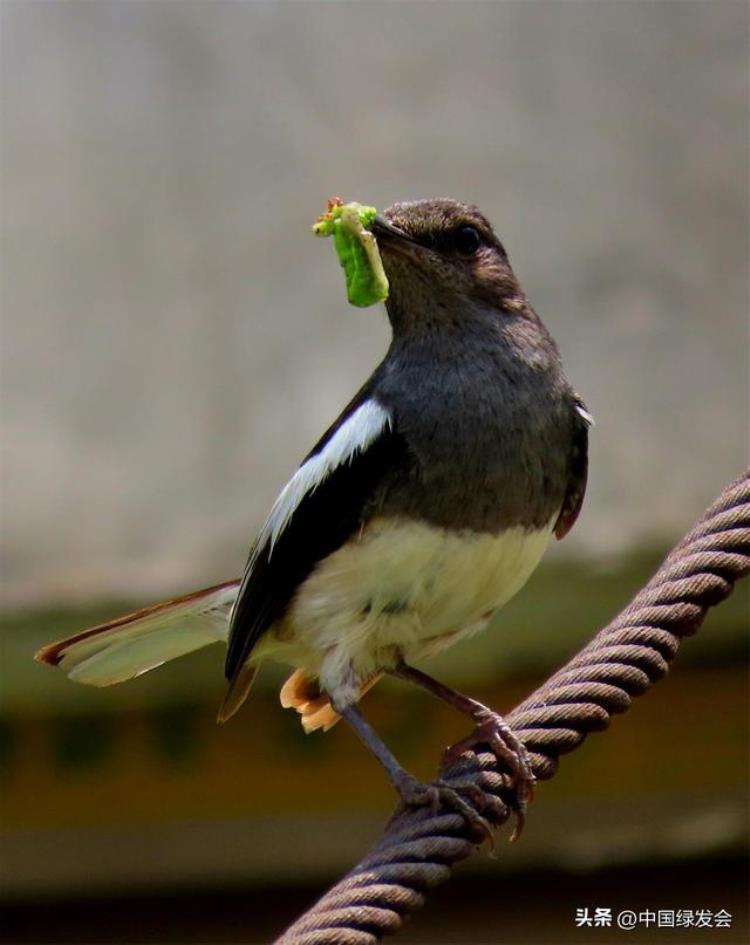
419, 846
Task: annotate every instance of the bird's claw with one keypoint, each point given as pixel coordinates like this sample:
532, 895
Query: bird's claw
494, 731
440, 794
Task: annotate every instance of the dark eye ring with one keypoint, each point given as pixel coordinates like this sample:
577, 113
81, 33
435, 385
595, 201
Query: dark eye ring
467, 240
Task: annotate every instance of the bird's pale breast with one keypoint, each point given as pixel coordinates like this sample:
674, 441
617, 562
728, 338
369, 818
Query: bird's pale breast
401, 588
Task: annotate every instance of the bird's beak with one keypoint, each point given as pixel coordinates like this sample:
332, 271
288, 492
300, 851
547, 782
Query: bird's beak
393, 238
384, 229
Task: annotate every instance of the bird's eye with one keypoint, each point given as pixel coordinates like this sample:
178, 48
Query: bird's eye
467, 240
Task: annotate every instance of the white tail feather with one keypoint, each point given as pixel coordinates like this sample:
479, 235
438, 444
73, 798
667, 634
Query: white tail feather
131, 645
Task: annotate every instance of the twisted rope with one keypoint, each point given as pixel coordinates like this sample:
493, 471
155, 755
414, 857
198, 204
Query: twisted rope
627, 656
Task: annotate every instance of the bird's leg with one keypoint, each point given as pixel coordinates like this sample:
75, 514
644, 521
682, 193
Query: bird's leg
412, 791
491, 729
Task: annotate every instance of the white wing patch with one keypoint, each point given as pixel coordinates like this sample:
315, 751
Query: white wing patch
352, 437
587, 417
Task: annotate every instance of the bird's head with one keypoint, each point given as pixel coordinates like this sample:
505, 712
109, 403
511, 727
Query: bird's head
443, 260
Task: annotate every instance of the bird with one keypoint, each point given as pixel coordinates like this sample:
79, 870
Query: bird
423, 508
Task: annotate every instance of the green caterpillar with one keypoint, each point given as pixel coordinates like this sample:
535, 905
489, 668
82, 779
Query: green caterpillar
357, 249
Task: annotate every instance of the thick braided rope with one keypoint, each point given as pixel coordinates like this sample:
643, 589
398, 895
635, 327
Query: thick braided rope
632, 652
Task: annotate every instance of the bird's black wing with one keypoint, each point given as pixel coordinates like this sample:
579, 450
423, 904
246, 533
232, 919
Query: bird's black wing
317, 512
578, 472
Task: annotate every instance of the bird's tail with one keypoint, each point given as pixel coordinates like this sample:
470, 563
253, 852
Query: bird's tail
129, 646
303, 694
134, 644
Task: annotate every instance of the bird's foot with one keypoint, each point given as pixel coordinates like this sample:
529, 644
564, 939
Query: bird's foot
466, 799
492, 730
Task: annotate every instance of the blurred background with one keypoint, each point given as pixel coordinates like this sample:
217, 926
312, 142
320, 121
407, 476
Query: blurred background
174, 340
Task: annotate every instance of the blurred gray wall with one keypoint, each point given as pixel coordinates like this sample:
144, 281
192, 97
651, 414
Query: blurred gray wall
173, 339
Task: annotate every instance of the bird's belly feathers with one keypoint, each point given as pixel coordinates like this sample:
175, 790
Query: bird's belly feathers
401, 587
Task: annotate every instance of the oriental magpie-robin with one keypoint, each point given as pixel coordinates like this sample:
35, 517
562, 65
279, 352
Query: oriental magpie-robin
423, 508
